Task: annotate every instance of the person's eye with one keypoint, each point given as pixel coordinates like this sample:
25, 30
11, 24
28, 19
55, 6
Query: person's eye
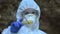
33, 12
26, 13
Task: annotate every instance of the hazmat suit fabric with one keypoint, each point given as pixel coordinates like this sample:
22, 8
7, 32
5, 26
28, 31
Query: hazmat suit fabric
22, 29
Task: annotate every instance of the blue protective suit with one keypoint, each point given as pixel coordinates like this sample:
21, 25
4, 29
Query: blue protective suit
17, 27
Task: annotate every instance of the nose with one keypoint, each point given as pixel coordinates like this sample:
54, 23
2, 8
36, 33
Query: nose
30, 21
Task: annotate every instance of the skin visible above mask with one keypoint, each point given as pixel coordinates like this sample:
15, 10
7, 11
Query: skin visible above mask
29, 17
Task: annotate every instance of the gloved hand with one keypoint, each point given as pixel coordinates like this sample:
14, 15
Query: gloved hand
15, 26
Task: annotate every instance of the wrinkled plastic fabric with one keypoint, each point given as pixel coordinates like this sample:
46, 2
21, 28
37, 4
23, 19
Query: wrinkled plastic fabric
25, 4
24, 30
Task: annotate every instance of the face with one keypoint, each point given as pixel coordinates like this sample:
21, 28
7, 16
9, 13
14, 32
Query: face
29, 16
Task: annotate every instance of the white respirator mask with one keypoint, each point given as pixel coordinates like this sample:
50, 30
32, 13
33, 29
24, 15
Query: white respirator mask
29, 19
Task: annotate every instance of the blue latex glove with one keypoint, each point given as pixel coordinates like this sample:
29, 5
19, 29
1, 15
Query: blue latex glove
15, 26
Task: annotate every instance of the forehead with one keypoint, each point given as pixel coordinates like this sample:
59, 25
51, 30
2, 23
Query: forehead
29, 10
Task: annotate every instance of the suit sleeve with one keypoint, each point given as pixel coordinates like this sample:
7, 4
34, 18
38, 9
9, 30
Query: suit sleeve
7, 31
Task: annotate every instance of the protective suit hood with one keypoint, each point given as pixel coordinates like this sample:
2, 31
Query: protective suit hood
25, 4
